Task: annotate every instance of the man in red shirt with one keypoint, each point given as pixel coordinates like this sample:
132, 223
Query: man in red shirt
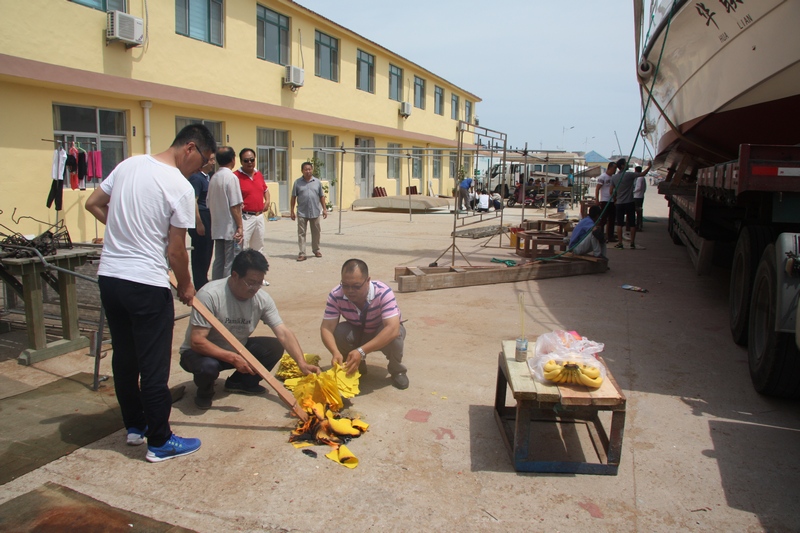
255, 198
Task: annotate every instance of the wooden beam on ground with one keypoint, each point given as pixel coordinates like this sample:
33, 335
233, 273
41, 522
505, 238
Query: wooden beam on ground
434, 278
287, 397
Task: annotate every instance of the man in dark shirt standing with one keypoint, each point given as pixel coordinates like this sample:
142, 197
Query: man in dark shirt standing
622, 193
202, 245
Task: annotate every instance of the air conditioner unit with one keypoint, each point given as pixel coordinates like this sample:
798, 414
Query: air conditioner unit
124, 28
295, 76
405, 109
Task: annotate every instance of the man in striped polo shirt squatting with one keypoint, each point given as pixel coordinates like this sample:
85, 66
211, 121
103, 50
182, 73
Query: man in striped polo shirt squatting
372, 323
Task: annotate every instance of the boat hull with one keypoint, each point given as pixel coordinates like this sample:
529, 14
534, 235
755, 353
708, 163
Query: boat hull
721, 82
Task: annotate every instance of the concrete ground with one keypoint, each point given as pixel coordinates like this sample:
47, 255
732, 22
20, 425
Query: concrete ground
702, 451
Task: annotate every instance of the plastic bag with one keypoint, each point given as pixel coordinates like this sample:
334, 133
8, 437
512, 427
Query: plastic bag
564, 347
563, 342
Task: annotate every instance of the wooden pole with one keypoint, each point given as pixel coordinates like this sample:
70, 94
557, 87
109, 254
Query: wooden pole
287, 397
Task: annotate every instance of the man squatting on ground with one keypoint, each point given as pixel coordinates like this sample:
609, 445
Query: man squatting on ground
595, 241
372, 323
239, 304
147, 204
308, 196
225, 203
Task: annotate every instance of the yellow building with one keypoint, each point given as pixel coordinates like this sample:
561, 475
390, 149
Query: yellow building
225, 63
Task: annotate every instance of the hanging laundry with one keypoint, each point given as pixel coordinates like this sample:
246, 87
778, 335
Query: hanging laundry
59, 162
98, 164
73, 169
82, 170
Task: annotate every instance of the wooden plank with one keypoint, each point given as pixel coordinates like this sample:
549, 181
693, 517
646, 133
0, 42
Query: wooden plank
287, 397
416, 271
467, 277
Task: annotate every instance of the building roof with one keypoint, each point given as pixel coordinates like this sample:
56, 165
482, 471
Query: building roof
594, 157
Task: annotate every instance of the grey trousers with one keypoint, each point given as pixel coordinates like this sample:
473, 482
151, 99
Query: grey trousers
349, 337
302, 224
224, 252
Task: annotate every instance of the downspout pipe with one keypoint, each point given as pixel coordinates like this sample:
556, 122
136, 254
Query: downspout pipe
146, 105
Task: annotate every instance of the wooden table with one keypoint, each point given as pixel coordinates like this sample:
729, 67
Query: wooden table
536, 244
561, 225
31, 269
558, 404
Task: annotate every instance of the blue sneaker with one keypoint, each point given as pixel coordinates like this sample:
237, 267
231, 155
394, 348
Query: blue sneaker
174, 447
136, 436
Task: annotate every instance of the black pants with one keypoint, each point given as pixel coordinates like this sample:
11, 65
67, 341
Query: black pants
202, 250
140, 319
56, 194
267, 350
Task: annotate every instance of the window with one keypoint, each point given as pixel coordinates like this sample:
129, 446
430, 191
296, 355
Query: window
453, 165
104, 5
328, 160
92, 129
394, 163
326, 64
438, 100
272, 155
468, 111
395, 83
199, 19
214, 127
454, 107
273, 36
365, 72
417, 162
437, 164
419, 92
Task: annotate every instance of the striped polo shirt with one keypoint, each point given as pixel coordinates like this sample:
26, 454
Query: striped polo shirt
381, 305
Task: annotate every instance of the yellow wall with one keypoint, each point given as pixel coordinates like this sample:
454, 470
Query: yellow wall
232, 70
33, 31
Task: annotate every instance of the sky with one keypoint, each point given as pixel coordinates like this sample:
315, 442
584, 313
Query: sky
557, 74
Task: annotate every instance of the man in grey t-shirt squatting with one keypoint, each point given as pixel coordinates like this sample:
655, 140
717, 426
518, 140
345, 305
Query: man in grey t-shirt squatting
239, 303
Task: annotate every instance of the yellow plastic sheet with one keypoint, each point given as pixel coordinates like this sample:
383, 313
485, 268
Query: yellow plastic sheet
316, 388
287, 366
343, 456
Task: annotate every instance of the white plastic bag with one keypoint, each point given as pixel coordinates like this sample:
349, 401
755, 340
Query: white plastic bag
563, 348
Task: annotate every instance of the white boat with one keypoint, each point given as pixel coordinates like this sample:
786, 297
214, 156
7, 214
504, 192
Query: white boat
715, 74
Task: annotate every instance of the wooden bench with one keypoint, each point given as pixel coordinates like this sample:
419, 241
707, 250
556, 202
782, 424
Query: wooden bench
535, 244
559, 405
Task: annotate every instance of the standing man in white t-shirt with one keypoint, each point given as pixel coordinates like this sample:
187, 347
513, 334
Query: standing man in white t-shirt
603, 194
147, 204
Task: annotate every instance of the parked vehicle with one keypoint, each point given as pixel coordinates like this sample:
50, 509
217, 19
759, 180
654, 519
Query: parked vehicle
730, 158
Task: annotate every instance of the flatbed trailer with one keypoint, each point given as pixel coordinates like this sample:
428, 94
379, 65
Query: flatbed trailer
754, 203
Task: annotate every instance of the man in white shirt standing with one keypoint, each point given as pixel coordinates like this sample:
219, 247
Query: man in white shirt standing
603, 194
225, 203
147, 204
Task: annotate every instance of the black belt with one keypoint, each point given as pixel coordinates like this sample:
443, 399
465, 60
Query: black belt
252, 212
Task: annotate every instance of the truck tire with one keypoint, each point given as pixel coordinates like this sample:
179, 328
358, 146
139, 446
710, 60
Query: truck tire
749, 248
773, 356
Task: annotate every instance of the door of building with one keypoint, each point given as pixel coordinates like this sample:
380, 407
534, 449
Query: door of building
365, 166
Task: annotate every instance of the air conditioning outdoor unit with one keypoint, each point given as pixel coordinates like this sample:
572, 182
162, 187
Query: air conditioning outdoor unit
294, 77
124, 28
405, 109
